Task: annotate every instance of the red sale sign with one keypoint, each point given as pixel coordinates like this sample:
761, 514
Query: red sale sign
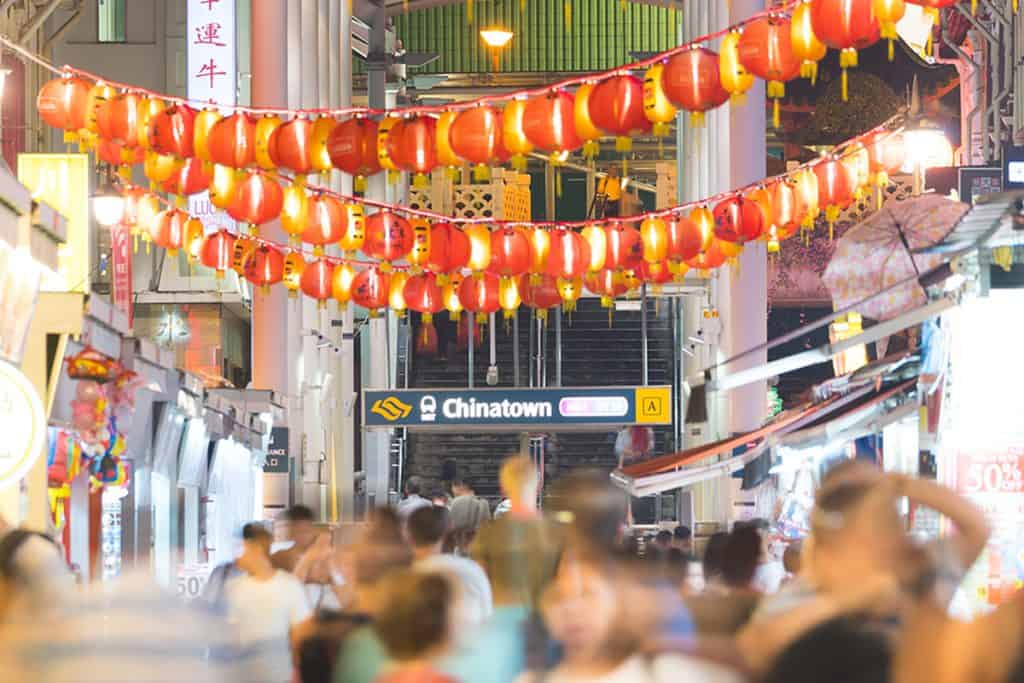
990, 471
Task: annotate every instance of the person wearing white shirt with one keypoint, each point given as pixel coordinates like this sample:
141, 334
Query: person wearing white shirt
264, 604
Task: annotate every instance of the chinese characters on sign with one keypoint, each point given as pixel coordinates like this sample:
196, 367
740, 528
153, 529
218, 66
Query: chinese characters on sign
211, 78
121, 269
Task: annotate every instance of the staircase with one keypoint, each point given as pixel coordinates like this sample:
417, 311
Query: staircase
593, 354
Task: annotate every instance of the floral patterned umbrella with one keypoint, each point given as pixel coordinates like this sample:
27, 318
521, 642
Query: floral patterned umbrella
876, 254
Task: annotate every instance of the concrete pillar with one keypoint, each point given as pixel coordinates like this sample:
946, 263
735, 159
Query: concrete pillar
743, 301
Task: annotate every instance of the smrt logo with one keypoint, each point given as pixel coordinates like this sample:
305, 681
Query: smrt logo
391, 408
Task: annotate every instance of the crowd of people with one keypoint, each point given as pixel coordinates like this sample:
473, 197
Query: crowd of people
442, 591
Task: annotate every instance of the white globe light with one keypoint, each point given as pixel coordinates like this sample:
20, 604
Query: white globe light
108, 209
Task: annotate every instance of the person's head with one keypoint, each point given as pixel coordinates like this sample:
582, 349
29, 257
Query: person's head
682, 538
256, 540
426, 529
714, 556
414, 622
439, 499
838, 651
584, 608
299, 520
613, 171
462, 487
663, 540
413, 486
593, 507
857, 535
791, 560
518, 478
740, 556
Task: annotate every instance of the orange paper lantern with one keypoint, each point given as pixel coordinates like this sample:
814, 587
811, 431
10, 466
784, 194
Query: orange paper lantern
388, 237
692, 81
118, 119
352, 146
291, 147
480, 295
61, 103
549, 125
171, 131
258, 200
616, 105
232, 141
325, 222
315, 281
265, 127
845, 25
597, 241
625, 248
371, 289
265, 267
806, 46
510, 252
341, 284
570, 255
766, 50
449, 249
217, 250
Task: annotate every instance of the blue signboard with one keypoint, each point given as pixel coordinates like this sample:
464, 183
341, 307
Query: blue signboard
518, 409
277, 453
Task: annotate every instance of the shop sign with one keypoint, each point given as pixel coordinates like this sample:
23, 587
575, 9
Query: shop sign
518, 409
192, 580
23, 424
121, 269
212, 77
277, 452
984, 471
19, 287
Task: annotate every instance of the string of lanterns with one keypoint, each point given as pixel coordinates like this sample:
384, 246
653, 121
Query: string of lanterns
429, 266
129, 125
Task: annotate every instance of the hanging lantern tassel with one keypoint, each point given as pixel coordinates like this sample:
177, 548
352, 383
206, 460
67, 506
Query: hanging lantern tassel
359, 183
809, 70
481, 173
623, 144
522, 6
393, 177
831, 215
776, 91
847, 59
567, 9
469, 11
974, 7
518, 162
591, 148
696, 119
421, 181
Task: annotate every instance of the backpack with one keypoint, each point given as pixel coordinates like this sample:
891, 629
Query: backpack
10, 543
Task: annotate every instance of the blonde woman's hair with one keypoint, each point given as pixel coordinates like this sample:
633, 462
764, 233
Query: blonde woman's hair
516, 474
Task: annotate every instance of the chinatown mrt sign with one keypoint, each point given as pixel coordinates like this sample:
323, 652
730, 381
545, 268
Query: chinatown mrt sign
518, 409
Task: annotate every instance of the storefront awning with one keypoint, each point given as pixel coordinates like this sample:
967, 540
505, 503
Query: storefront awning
682, 469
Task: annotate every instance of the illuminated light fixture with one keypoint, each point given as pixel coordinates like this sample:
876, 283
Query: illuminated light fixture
496, 37
925, 142
107, 203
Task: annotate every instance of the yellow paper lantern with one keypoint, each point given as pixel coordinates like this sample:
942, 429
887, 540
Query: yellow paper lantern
734, 77
479, 247
450, 296
319, 159
396, 293
446, 156
420, 253
508, 296
889, 13
806, 46
294, 211
654, 235
147, 109
294, 264
657, 108
585, 128
341, 283
355, 229
205, 120
597, 240
265, 127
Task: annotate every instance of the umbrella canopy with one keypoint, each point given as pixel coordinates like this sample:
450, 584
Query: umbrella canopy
876, 254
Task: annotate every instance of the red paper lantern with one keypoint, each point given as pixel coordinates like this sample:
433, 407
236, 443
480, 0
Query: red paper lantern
352, 146
711, 258
171, 131
739, 220
475, 135
118, 119
569, 255
371, 289
766, 50
616, 105
258, 200
685, 239
316, 280
845, 25
540, 293
656, 274
291, 146
168, 229
412, 146
607, 284
423, 295
480, 295
217, 251
117, 154
835, 189
885, 156
62, 102
192, 178
549, 123
389, 237
232, 140
692, 81
510, 252
625, 248
265, 267
449, 249
325, 221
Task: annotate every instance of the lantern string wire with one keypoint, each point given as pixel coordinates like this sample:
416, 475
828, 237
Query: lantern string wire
574, 81
885, 130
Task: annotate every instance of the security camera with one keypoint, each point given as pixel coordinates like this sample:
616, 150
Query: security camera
492, 376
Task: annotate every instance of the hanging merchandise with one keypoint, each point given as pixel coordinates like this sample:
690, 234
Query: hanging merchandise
90, 364
693, 82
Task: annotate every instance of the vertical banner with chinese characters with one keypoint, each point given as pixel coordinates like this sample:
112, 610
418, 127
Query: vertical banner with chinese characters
212, 78
121, 269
